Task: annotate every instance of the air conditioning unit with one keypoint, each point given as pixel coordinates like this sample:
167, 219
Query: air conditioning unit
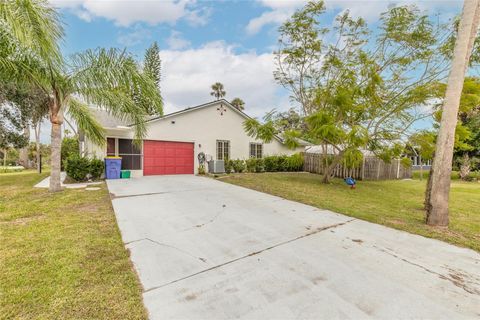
216, 166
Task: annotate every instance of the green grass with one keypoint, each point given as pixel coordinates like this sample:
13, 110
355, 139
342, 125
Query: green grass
61, 255
394, 203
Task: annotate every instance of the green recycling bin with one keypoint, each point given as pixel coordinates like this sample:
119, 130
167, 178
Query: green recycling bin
125, 174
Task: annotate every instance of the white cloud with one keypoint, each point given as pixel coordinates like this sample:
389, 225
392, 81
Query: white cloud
269, 17
187, 76
280, 11
127, 12
176, 41
138, 35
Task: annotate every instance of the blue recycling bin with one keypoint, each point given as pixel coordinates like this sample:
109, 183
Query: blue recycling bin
113, 167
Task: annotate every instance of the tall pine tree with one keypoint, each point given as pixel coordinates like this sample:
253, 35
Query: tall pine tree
152, 67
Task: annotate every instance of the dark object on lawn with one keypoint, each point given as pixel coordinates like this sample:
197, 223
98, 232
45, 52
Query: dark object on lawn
350, 181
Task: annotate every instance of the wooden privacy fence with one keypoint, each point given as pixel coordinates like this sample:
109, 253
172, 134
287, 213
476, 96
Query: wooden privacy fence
372, 168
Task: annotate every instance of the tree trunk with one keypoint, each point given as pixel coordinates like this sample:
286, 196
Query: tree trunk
465, 166
328, 169
23, 153
436, 198
5, 157
56, 118
37, 145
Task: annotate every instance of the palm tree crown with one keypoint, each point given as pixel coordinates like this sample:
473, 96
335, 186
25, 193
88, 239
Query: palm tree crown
238, 103
218, 90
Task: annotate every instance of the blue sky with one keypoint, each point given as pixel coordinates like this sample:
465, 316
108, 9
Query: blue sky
207, 41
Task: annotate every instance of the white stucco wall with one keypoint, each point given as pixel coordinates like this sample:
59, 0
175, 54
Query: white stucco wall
203, 127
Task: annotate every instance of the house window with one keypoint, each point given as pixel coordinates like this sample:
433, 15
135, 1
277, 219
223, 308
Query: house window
130, 153
111, 147
256, 150
223, 150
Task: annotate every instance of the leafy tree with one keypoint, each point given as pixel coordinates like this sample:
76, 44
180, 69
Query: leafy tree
152, 68
32, 104
10, 131
288, 120
218, 91
467, 131
238, 103
105, 78
365, 89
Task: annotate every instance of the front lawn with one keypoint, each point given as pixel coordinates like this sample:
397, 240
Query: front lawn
61, 255
397, 203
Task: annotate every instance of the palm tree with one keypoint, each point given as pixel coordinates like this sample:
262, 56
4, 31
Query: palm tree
238, 103
105, 78
218, 90
438, 188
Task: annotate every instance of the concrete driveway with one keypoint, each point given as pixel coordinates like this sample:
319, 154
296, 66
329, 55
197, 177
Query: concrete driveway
204, 249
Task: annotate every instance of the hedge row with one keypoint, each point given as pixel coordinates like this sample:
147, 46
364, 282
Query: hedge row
267, 164
81, 168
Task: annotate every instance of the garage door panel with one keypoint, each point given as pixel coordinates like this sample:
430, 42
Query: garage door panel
167, 157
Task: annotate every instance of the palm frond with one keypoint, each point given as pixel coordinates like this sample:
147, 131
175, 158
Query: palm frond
36, 25
80, 113
22, 65
109, 79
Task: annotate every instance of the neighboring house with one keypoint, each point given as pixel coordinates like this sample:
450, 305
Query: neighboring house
420, 164
173, 141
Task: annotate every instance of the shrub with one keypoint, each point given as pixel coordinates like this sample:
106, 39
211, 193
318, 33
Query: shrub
201, 169
259, 165
228, 166
70, 148
294, 162
96, 168
472, 176
271, 163
77, 167
250, 164
238, 165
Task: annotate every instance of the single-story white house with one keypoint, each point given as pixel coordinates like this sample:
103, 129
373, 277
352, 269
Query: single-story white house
174, 141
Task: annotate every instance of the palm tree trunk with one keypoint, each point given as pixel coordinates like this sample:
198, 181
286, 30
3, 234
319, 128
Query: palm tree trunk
56, 118
23, 153
37, 144
438, 189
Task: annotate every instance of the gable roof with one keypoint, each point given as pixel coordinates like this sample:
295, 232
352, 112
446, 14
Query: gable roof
189, 109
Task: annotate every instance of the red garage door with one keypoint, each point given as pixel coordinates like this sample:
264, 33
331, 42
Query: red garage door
167, 157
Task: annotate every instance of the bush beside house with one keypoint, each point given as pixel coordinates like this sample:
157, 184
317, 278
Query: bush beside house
82, 168
267, 164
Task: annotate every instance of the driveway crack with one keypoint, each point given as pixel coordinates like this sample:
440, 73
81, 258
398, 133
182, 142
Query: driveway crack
312, 232
168, 246
209, 221
456, 279
114, 196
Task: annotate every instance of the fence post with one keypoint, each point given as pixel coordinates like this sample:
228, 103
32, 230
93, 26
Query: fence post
378, 168
363, 169
398, 169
